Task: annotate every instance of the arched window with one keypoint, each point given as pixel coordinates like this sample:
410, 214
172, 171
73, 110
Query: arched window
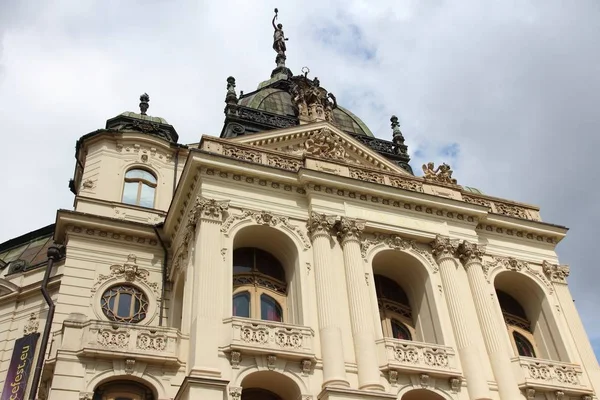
259, 394
259, 285
139, 188
518, 325
394, 309
123, 390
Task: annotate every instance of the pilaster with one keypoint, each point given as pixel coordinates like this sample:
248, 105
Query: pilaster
558, 276
471, 256
207, 215
349, 233
334, 370
444, 250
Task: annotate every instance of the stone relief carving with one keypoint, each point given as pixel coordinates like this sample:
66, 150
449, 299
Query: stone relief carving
129, 366
406, 184
128, 271
454, 384
324, 144
236, 358
306, 366
556, 273
289, 164
512, 264
265, 218
441, 174
113, 339
349, 229
396, 242
444, 247
242, 154
366, 176
470, 252
284, 338
320, 224
147, 341
512, 211
32, 325
393, 377
235, 392
271, 362
86, 395
476, 200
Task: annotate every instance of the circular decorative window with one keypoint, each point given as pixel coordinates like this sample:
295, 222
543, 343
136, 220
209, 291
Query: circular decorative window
124, 303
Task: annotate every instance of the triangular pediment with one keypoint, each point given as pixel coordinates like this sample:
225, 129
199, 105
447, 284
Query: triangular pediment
321, 140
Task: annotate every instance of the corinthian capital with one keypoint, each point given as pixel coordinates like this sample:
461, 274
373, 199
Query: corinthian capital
350, 229
320, 224
556, 273
444, 247
210, 209
470, 252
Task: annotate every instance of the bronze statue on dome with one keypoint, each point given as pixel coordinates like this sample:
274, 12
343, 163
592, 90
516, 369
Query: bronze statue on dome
279, 41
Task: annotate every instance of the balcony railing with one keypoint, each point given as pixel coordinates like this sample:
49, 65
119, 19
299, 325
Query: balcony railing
97, 338
549, 375
417, 357
267, 337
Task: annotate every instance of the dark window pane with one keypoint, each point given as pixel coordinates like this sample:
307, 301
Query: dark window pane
243, 260
241, 305
147, 196
509, 305
269, 265
390, 290
524, 347
270, 309
124, 306
130, 192
400, 331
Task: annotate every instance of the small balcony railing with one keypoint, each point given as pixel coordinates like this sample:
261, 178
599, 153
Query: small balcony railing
158, 345
416, 357
251, 336
549, 375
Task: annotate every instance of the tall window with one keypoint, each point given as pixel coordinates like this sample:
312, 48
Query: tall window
259, 285
139, 188
394, 309
518, 325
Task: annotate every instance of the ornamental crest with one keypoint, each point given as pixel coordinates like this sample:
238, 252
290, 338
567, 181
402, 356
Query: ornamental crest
441, 174
311, 101
556, 273
128, 271
324, 144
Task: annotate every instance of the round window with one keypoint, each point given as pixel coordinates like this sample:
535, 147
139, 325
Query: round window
124, 303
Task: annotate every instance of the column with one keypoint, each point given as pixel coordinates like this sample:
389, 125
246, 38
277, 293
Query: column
207, 289
444, 251
349, 232
558, 275
493, 334
330, 332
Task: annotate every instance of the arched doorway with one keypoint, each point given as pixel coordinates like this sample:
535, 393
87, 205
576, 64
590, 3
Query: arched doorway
422, 394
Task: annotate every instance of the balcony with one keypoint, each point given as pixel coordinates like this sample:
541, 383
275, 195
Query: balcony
406, 356
250, 336
549, 375
153, 344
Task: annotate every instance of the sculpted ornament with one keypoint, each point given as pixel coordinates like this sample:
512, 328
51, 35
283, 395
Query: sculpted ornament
320, 224
128, 271
32, 325
324, 144
444, 247
235, 393
396, 242
210, 209
470, 252
441, 174
556, 273
350, 229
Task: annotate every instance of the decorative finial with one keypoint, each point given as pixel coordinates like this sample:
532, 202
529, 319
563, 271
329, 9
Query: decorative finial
279, 42
399, 147
305, 70
397, 134
231, 97
144, 99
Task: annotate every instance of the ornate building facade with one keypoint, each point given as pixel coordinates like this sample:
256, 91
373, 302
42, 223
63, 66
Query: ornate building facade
296, 256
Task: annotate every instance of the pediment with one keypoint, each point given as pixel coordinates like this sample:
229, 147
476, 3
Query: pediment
321, 141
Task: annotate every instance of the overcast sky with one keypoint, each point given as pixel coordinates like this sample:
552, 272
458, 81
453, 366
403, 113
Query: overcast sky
505, 91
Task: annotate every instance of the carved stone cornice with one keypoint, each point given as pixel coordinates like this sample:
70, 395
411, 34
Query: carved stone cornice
209, 209
556, 273
444, 247
350, 229
320, 225
470, 252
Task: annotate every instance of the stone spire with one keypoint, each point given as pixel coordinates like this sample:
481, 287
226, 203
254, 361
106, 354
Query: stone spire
144, 99
399, 147
231, 97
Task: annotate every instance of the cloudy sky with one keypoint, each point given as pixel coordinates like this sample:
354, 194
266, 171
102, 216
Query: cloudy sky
506, 91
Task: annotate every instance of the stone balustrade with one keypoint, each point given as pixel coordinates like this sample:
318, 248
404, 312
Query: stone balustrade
266, 337
549, 375
416, 357
148, 343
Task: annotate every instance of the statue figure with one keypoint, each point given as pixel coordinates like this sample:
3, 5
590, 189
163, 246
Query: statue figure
278, 37
442, 173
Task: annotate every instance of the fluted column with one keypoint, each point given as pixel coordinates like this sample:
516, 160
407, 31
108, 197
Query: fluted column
330, 332
207, 289
444, 251
493, 334
349, 232
558, 275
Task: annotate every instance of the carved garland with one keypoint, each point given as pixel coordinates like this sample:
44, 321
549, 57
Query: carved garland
265, 218
396, 242
128, 271
512, 264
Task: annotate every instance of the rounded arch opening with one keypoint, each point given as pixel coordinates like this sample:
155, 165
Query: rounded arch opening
527, 313
422, 394
269, 385
139, 187
124, 389
409, 274
267, 259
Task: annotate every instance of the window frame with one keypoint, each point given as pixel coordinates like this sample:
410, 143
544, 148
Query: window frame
140, 183
255, 292
137, 293
386, 317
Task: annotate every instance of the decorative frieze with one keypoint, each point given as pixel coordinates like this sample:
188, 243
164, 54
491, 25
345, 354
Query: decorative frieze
412, 356
367, 176
113, 339
149, 341
290, 164
547, 373
556, 273
406, 184
103, 234
242, 154
517, 233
